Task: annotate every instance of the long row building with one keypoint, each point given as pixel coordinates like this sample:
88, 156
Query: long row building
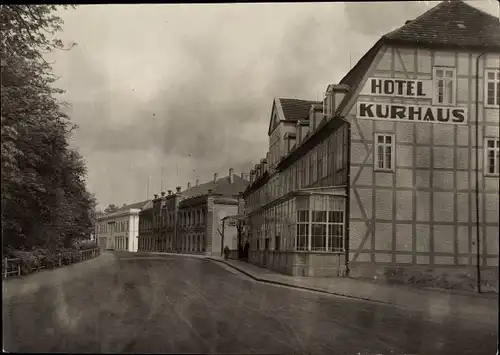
190, 221
396, 171
180, 221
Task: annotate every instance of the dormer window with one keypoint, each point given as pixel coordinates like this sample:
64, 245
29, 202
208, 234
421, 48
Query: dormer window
328, 103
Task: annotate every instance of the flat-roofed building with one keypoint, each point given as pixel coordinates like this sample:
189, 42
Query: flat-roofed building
119, 230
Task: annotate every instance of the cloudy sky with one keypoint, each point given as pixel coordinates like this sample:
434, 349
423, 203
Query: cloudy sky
190, 87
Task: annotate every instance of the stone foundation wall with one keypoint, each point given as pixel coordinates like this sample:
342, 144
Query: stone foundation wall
461, 278
300, 264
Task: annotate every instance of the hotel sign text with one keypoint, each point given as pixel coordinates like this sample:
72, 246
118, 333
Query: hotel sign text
401, 88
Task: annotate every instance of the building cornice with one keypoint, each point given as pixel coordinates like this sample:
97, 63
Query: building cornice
339, 190
131, 212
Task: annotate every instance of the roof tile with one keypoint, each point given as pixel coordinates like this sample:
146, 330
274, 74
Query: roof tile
222, 187
136, 205
297, 109
451, 23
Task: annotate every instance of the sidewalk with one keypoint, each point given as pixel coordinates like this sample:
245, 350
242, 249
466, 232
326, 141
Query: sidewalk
437, 304
434, 303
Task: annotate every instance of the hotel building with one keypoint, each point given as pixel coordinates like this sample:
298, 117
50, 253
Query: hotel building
383, 177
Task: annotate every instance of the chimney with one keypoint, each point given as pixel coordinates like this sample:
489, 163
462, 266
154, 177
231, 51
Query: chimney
169, 192
252, 173
189, 185
231, 175
178, 188
162, 193
197, 182
215, 177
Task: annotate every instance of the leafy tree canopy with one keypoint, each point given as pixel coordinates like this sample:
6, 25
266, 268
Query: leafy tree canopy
45, 202
111, 208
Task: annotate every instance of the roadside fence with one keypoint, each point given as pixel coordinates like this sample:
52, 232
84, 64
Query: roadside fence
12, 267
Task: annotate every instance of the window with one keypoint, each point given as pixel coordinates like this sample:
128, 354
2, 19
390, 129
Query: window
313, 170
336, 230
277, 243
339, 148
302, 224
492, 88
444, 86
384, 152
492, 156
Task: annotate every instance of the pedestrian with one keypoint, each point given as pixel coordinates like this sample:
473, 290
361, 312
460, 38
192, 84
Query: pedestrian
226, 252
245, 250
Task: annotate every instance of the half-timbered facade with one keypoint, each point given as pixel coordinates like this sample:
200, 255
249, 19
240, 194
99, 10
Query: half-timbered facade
403, 150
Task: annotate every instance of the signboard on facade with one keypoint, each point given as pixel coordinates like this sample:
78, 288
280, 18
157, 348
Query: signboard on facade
402, 88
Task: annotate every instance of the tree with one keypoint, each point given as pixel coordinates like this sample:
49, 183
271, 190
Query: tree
111, 208
44, 197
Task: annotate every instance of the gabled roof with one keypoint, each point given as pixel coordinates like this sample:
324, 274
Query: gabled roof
136, 205
293, 109
451, 23
124, 209
222, 187
297, 109
355, 75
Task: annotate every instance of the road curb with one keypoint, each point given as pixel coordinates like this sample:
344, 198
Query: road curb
301, 287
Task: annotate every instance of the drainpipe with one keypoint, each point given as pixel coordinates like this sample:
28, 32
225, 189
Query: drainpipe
478, 252
347, 205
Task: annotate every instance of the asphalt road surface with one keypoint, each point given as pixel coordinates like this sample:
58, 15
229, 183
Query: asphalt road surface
138, 303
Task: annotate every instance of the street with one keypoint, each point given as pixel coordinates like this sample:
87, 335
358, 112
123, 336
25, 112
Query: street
140, 303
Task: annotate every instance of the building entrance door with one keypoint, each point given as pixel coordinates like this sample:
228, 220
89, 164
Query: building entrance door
266, 250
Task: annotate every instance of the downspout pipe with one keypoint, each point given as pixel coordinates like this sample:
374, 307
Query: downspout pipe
347, 212
476, 123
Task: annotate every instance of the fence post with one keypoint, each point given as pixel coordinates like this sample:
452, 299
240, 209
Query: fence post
59, 258
5, 267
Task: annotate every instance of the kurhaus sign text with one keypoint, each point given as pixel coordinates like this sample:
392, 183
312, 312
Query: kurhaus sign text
401, 88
